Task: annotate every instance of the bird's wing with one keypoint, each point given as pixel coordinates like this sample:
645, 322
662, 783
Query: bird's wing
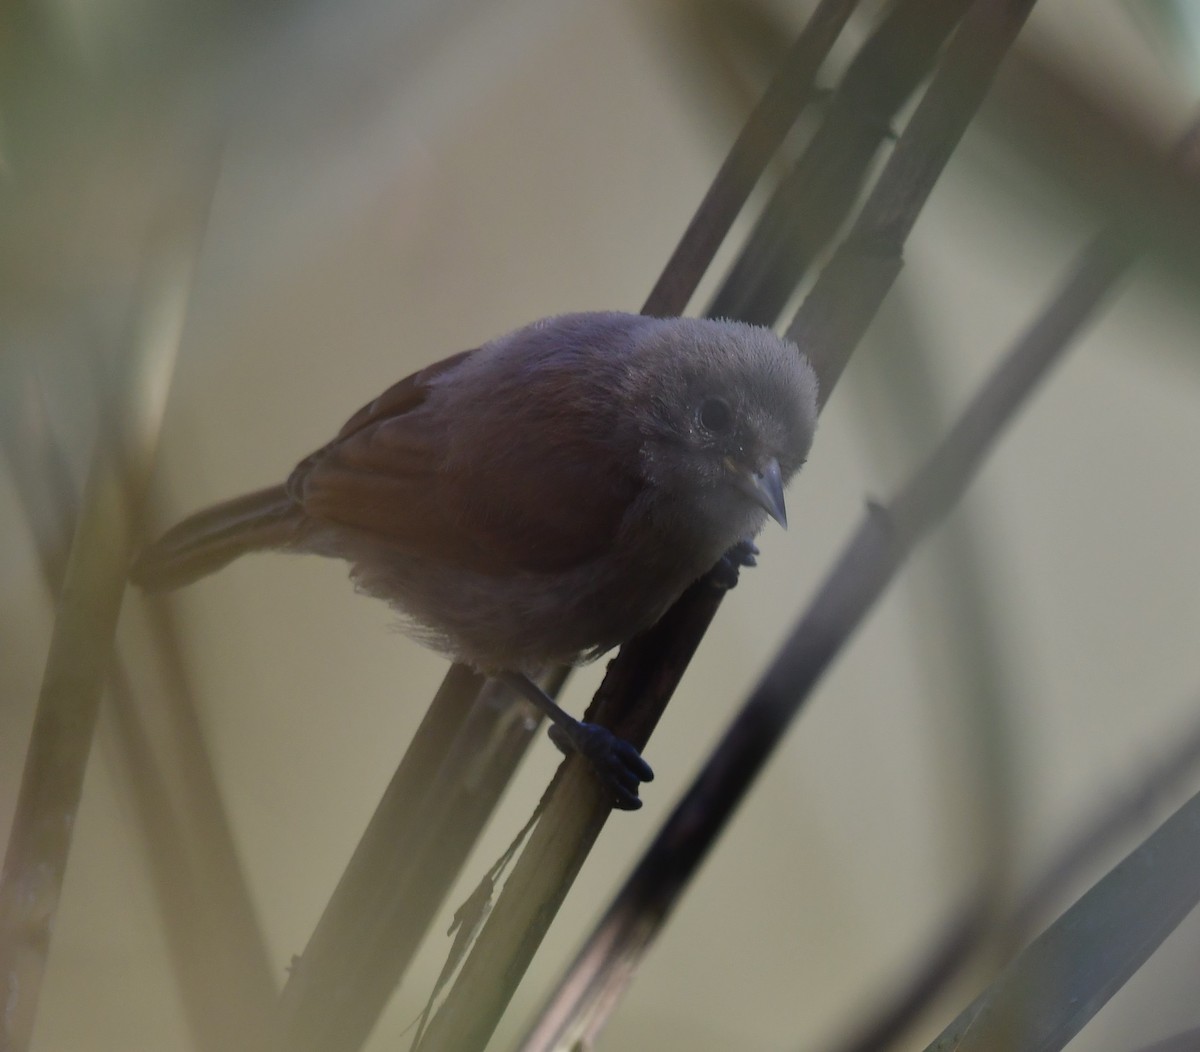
402, 396
386, 475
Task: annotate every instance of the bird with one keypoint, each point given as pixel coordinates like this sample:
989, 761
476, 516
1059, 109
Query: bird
542, 498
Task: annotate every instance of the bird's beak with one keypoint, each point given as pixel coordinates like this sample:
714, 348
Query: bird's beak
765, 488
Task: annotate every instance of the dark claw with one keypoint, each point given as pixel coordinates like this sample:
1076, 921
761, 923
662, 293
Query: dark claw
561, 741
725, 573
617, 764
744, 553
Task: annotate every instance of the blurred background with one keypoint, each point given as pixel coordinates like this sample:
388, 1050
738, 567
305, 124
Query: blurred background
380, 184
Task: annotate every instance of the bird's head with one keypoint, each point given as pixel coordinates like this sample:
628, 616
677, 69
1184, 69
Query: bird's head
732, 410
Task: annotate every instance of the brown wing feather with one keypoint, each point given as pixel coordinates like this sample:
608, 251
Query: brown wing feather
391, 473
402, 396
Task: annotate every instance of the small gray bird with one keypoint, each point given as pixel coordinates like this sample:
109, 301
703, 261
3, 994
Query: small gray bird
543, 498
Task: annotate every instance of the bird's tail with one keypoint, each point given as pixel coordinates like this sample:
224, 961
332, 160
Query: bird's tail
206, 541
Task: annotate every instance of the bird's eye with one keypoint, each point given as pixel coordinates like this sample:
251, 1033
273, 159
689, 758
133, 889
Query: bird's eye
715, 415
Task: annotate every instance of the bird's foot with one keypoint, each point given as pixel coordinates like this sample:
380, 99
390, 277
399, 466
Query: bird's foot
725, 573
617, 764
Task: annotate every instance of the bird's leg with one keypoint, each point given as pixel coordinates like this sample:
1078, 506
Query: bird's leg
617, 763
